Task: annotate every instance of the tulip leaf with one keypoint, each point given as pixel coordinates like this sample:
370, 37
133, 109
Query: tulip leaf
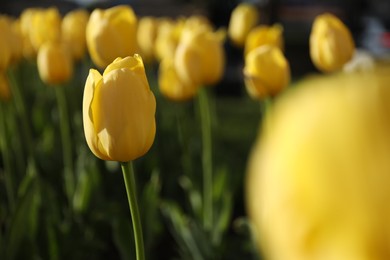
194, 197
123, 237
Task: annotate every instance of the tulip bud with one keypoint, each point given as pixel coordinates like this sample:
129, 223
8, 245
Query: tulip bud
146, 37
264, 35
171, 86
242, 20
5, 92
111, 33
54, 63
200, 57
331, 43
45, 27
119, 110
266, 72
318, 177
74, 26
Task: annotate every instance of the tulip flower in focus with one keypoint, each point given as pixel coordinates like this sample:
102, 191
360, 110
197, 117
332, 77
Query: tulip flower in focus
73, 27
5, 92
264, 35
170, 84
146, 36
45, 27
319, 175
242, 20
200, 57
119, 111
331, 43
266, 72
54, 63
111, 33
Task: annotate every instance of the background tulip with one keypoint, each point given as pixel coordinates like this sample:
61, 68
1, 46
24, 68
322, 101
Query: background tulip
54, 63
318, 176
118, 111
73, 27
265, 35
242, 20
266, 72
171, 86
200, 57
111, 33
331, 43
45, 26
146, 37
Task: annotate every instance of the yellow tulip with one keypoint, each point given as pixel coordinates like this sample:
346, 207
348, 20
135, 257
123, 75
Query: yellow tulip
146, 37
73, 27
168, 35
54, 63
199, 57
331, 43
266, 72
5, 52
111, 33
119, 111
25, 21
45, 27
242, 20
12, 37
171, 86
318, 176
265, 35
5, 92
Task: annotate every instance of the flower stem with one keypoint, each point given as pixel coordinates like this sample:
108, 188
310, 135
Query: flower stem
207, 163
66, 142
128, 175
6, 158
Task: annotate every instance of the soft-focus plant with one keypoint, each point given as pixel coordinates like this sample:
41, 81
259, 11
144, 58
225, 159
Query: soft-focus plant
266, 72
331, 43
171, 86
73, 29
264, 35
146, 37
5, 92
168, 35
319, 170
45, 26
111, 33
243, 19
54, 62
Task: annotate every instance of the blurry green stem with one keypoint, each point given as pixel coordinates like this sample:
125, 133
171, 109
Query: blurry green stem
128, 175
21, 110
66, 142
5, 151
207, 163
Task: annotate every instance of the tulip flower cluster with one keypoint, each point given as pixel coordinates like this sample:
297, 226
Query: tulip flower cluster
130, 90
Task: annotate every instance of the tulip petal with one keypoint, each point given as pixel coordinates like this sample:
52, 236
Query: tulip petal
93, 80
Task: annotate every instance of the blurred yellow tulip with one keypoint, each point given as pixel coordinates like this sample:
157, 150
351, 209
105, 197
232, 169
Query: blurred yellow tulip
242, 20
45, 26
168, 35
171, 86
54, 63
5, 53
266, 72
318, 177
11, 35
265, 35
111, 33
25, 21
146, 37
200, 57
5, 92
331, 43
73, 27
119, 111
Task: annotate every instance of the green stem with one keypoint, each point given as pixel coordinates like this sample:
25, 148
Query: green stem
128, 175
21, 111
6, 158
66, 142
207, 163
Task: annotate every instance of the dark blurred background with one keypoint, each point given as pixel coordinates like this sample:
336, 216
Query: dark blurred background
368, 20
